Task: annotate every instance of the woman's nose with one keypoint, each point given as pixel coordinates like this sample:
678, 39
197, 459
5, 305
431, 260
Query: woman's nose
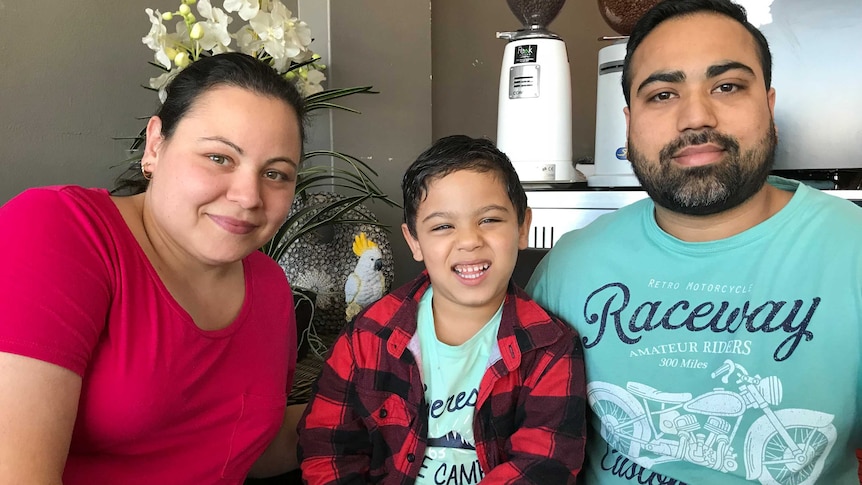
244, 189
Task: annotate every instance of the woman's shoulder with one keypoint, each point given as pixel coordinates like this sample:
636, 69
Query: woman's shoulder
266, 269
45, 201
70, 217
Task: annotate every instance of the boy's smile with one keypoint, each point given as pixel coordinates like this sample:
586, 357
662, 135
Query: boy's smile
468, 236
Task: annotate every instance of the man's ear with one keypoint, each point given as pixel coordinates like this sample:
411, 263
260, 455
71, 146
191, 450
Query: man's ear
770, 99
628, 114
412, 242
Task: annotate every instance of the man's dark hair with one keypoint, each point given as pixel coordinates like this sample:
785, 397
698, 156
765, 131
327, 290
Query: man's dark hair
452, 154
669, 9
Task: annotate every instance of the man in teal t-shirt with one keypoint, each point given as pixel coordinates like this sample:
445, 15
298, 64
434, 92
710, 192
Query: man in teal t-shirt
721, 318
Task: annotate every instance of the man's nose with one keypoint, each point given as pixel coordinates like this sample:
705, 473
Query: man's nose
696, 111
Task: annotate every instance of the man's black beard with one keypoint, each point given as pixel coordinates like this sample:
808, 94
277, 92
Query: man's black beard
707, 189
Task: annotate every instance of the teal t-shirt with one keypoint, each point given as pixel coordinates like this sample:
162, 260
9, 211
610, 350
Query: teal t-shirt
723, 362
452, 375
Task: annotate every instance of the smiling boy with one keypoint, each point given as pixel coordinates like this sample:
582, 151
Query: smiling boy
457, 376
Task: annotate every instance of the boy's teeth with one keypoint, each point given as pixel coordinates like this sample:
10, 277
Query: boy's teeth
470, 270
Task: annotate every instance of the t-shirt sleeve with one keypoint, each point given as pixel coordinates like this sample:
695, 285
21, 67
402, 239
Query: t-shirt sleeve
55, 285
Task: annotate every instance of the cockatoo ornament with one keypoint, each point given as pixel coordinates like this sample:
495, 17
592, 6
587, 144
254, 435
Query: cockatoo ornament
366, 283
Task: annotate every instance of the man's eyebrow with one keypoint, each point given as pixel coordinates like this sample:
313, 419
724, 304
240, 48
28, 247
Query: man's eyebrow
662, 76
719, 69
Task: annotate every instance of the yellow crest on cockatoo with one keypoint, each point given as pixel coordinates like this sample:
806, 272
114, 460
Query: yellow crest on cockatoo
361, 243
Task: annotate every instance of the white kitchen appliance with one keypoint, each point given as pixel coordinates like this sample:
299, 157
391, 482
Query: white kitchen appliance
534, 114
612, 167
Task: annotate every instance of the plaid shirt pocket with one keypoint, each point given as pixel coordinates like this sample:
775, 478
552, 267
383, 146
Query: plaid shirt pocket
385, 409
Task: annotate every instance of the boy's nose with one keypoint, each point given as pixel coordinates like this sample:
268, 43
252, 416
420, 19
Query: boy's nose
469, 239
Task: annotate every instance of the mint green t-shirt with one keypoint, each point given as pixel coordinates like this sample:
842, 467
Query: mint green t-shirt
452, 375
722, 362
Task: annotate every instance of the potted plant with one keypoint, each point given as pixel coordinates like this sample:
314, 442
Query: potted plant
270, 32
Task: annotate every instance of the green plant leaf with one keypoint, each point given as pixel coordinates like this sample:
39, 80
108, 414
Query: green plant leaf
323, 214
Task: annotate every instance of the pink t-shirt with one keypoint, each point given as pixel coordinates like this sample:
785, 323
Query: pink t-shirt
162, 400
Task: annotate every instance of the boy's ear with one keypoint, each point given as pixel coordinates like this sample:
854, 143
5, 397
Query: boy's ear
412, 243
524, 230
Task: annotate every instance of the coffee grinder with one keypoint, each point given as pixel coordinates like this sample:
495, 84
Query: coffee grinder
612, 167
534, 114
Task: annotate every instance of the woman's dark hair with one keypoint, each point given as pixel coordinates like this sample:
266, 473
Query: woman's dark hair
452, 154
669, 9
227, 69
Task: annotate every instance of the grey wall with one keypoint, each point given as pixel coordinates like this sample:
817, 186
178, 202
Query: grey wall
72, 72
467, 58
385, 43
69, 83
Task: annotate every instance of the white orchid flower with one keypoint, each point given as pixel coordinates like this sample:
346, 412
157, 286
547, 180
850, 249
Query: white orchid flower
310, 84
300, 33
270, 29
161, 82
156, 39
216, 36
247, 9
178, 41
283, 16
247, 41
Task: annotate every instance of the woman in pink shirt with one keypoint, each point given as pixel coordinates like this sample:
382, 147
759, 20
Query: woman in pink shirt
144, 339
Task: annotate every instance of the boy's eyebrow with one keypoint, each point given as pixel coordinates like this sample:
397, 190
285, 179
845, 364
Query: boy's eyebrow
482, 210
492, 207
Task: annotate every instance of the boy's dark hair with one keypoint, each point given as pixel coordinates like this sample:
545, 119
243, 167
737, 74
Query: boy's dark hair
455, 153
669, 9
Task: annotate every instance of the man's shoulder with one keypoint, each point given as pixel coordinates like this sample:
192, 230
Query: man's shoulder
827, 210
535, 319
607, 227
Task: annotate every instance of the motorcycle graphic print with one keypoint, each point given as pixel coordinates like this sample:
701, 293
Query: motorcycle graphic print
650, 426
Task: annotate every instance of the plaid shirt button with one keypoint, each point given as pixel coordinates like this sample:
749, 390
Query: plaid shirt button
411, 457
383, 413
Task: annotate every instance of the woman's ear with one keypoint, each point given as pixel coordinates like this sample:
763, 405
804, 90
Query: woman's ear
153, 143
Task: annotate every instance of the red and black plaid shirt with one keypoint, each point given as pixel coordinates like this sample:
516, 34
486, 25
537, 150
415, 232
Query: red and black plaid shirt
367, 421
